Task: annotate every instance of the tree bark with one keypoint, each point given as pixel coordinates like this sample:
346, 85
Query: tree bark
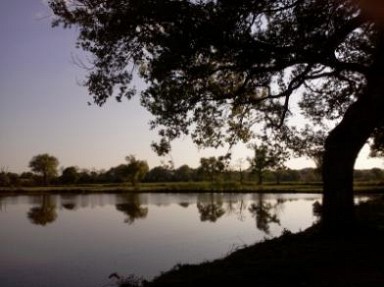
45, 178
342, 148
260, 177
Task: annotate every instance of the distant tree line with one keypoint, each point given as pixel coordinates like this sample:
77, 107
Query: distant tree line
263, 168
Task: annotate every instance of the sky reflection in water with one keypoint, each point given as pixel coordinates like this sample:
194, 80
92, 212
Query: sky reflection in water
78, 240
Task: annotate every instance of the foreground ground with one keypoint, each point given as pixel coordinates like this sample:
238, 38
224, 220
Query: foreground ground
309, 258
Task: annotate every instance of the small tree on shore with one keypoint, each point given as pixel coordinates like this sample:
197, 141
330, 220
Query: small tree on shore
136, 169
212, 167
44, 165
70, 175
267, 157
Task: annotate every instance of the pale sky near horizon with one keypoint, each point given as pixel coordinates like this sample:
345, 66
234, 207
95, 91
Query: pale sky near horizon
43, 109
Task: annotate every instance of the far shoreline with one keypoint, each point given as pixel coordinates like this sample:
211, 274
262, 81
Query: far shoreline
188, 187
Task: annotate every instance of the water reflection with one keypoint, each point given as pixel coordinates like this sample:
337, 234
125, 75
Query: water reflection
265, 212
167, 229
68, 201
69, 206
45, 213
316, 209
2, 204
184, 204
131, 206
210, 206
236, 206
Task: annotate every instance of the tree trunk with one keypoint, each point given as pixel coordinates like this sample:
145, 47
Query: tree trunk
341, 149
259, 177
278, 176
45, 178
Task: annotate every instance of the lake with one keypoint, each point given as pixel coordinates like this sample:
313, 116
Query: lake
79, 240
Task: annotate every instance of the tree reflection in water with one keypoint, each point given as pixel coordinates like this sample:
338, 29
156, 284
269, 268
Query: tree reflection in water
69, 206
210, 206
262, 211
184, 204
68, 202
131, 207
2, 204
235, 205
316, 210
45, 213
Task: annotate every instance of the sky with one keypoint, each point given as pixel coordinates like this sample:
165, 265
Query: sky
43, 107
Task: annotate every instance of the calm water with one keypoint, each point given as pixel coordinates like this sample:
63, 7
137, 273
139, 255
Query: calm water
78, 240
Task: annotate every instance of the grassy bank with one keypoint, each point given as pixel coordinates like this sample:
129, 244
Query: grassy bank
308, 258
186, 187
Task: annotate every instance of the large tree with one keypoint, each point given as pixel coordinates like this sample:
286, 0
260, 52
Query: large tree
46, 165
214, 68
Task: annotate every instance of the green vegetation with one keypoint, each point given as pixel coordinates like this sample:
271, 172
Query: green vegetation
225, 72
193, 187
213, 175
211, 168
267, 157
70, 175
135, 170
45, 165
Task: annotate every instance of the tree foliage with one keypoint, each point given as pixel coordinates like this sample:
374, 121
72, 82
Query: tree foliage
159, 174
46, 165
212, 167
135, 169
221, 65
215, 69
267, 157
117, 174
70, 175
183, 173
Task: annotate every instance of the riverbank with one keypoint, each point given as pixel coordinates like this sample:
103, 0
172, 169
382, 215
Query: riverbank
190, 187
308, 258
304, 259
